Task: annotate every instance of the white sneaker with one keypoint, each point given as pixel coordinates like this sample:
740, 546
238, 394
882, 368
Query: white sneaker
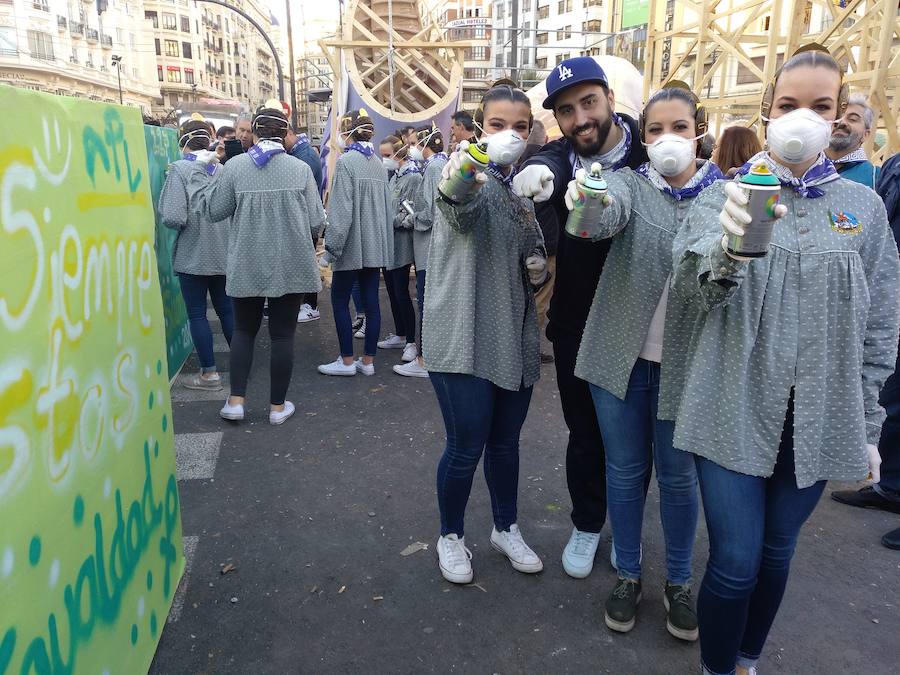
578, 555
364, 368
410, 352
232, 412
337, 367
392, 342
614, 563
411, 369
361, 333
455, 559
514, 547
307, 313
276, 418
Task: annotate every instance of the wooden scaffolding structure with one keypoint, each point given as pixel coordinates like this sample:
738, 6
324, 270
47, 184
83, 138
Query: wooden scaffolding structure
728, 50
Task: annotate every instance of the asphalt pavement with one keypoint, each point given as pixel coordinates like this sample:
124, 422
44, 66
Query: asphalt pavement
310, 547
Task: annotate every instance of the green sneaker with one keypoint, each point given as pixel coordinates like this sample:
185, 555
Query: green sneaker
681, 619
621, 606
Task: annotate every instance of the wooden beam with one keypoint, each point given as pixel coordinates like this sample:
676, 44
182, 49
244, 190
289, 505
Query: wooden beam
408, 44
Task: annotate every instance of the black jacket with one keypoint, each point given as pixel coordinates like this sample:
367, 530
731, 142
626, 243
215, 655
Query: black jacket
888, 189
578, 262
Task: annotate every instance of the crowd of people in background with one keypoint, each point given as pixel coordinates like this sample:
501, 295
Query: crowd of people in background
747, 379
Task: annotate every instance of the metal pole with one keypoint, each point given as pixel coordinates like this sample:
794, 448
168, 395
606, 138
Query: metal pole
265, 37
514, 61
119, 75
290, 37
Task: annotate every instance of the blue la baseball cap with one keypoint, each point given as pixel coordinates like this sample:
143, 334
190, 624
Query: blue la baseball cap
570, 72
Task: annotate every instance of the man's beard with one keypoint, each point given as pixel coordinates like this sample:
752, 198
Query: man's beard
845, 143
592, 148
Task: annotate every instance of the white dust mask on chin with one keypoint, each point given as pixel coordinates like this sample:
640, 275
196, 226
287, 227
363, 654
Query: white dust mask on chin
798, 136
670, 154
415, 153
390, 163
341, 142
505, 147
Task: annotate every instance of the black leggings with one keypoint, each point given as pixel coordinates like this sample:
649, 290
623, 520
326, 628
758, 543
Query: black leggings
248, 314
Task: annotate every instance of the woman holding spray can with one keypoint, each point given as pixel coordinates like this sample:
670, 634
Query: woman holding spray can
627, 352
428, 150
787, 358
406, 183
480, 333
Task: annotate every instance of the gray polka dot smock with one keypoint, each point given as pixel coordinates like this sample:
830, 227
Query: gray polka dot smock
642, 221
202, 245
274, 211
360, 229
405, 187
479, 316
426, 210
818, 314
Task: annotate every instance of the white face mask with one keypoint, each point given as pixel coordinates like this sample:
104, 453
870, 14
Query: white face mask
798, 136
390, 163
341, 142
670, 154
415, 153
505, 147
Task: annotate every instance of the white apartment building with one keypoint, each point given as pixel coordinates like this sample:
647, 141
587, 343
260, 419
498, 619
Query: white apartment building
315, 83
207, 51
65, 47
471, 21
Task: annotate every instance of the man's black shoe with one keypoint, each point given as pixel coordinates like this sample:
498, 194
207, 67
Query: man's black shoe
866, 498
892, 539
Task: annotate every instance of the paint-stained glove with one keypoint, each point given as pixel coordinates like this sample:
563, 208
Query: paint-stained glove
534, 182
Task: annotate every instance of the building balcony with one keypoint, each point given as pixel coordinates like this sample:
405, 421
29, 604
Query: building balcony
106, 41
61, 22
93, 35
76, 28
41, 5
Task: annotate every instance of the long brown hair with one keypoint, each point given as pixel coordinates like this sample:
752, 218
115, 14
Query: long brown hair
735, 146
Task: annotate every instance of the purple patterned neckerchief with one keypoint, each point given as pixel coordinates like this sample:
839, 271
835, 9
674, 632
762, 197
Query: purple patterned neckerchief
263, 151
210, 167
622, 157
497, 172
707, 174
408, 169
822, 171
365, 148
437, 155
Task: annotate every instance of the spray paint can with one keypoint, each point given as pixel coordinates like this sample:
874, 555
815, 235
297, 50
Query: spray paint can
584, 219
763, 191
460, 185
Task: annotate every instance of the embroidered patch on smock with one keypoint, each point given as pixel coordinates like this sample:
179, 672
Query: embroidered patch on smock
844, 222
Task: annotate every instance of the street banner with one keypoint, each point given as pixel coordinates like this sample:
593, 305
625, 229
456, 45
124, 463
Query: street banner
635, 13
162, 150
90, 542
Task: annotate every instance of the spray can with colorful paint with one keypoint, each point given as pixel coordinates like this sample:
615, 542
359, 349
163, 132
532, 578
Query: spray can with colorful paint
584, 219
460, 185
763, 192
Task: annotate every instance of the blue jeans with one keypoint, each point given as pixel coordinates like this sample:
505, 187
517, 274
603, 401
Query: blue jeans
194, 289
341, 288
397, 284
889, 445
633, 437
358, 302
479, 417
753, 526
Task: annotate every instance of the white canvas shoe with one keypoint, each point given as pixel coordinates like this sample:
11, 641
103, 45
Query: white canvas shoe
392, 342
364, 368
234, 413
511, 544
276, 417
578, 555
338, 368
307, 313
410, 352
411, 369
454, 559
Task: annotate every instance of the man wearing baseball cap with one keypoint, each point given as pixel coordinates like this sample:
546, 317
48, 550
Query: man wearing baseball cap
578, 93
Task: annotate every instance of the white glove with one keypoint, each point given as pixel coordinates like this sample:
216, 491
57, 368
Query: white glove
206, 157
537, 269
874, 460
574, 188
734, 215
456, 160
534, 182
